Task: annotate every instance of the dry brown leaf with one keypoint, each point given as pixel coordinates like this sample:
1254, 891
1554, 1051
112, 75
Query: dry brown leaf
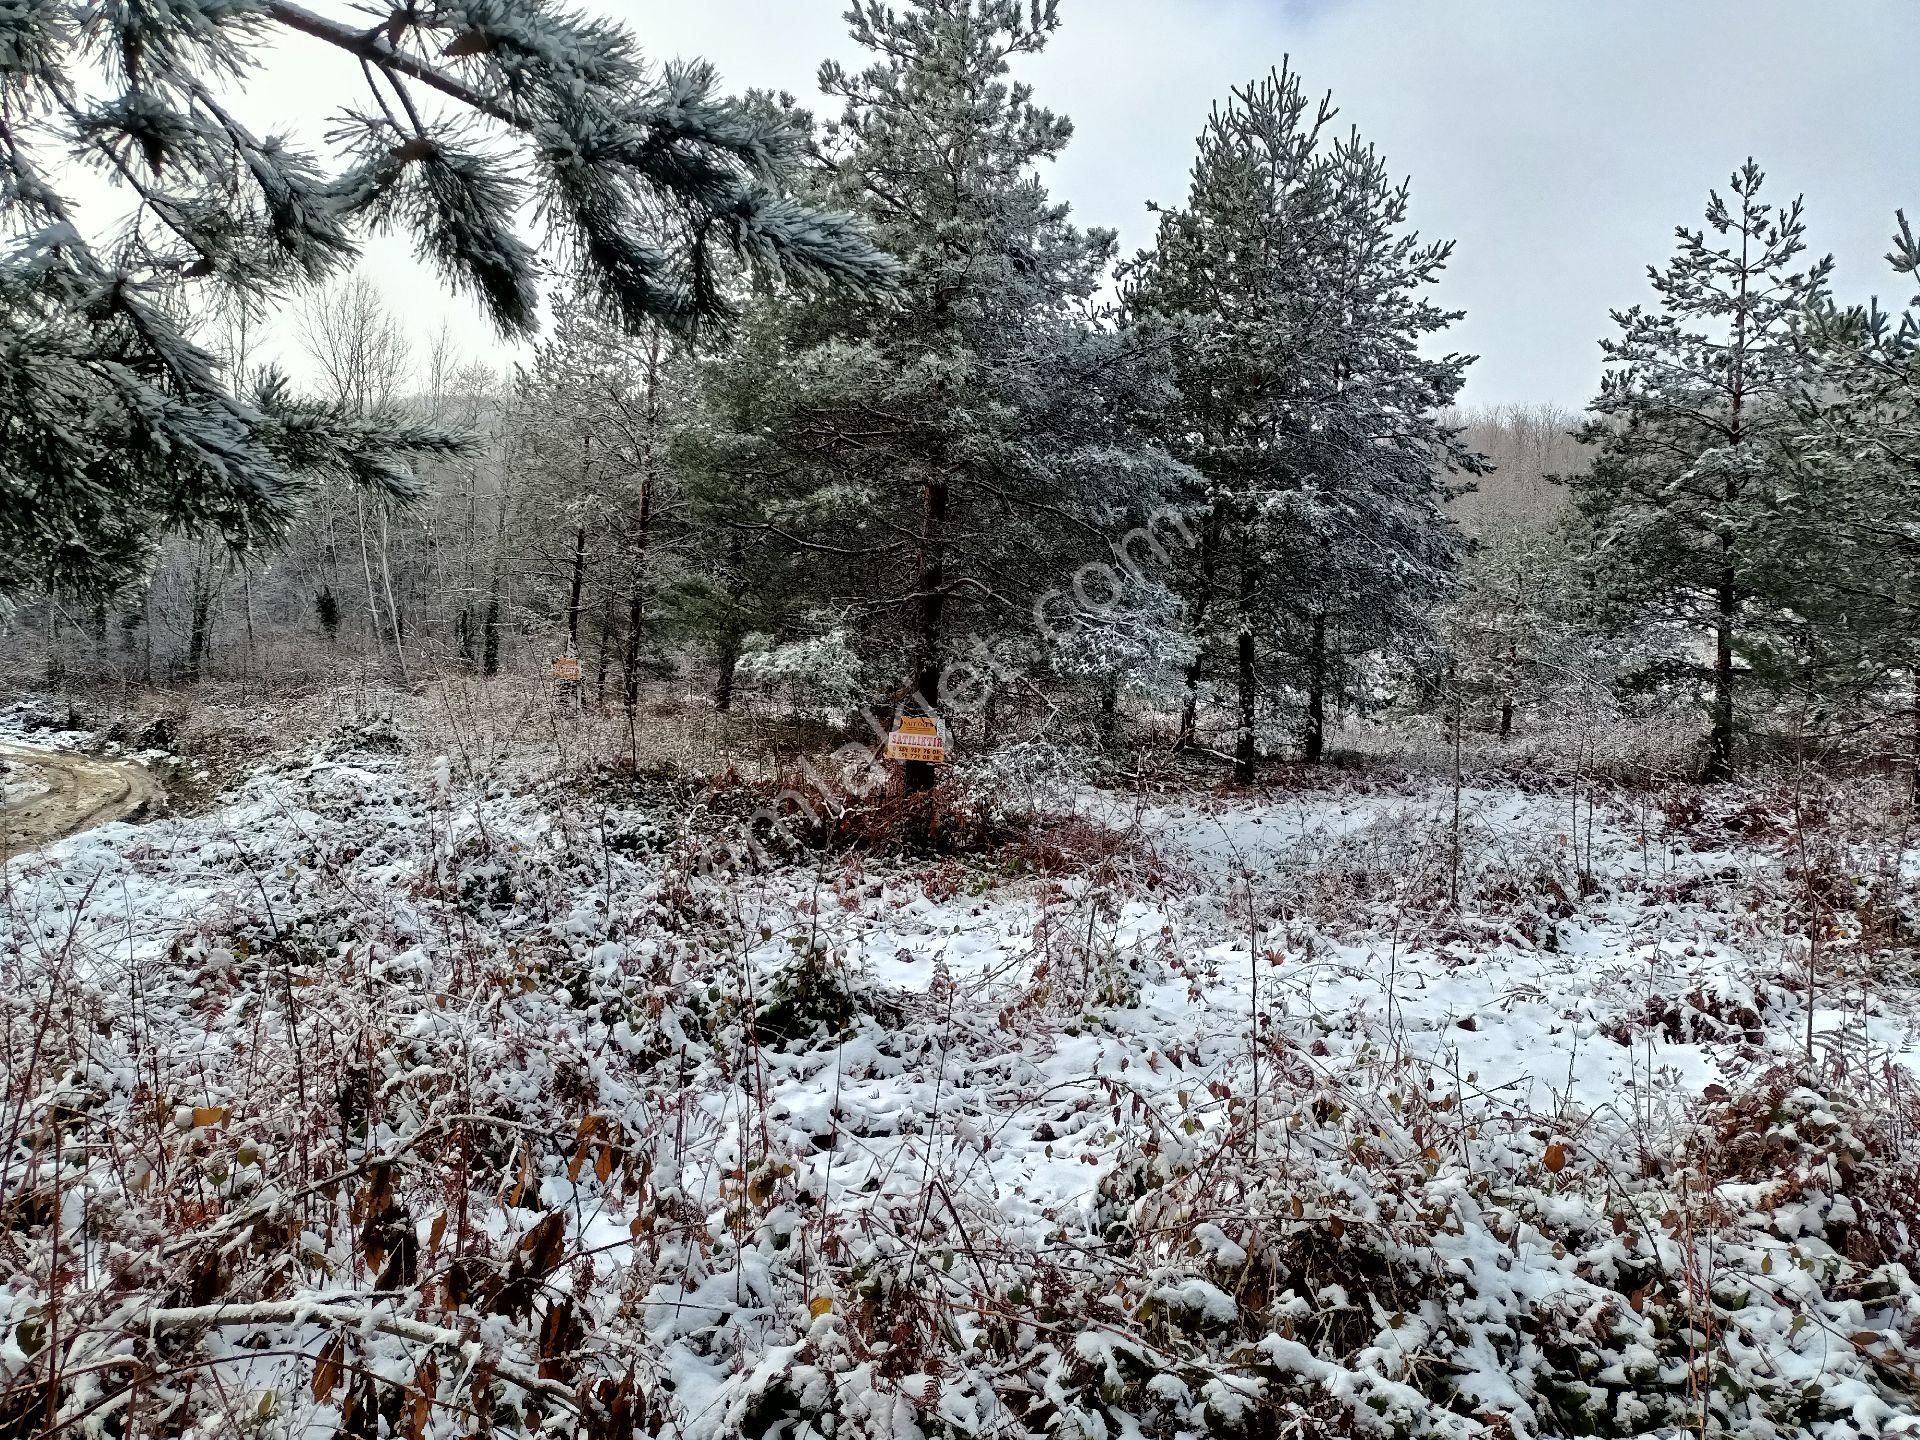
326, 1369
526, 1176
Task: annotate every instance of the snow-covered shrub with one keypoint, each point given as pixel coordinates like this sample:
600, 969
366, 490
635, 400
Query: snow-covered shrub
1376, 1259
1119, 629
819, 676
1024, 781
317, 1124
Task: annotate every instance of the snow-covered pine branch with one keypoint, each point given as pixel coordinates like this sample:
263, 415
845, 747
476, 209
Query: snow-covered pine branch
118, 428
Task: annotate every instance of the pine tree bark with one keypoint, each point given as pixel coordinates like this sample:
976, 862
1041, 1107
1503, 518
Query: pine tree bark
246, 598
637, 587
375, 626
1719, 765
930, 587
1247, 673
1243, 751
637, 597
1314, 745
1509, 680
1726, 597
1190, 707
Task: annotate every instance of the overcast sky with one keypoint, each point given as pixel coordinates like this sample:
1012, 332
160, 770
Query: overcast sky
1558, 143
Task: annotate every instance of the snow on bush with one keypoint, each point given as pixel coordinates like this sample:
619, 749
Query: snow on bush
1020, 781
376, 1104
820, 675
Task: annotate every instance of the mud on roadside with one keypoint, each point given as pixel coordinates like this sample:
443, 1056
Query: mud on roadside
61, 793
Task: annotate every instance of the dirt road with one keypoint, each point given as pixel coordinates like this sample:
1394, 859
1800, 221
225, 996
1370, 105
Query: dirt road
46, 795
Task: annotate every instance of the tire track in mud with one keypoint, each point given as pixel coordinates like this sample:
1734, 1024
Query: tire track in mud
57, 793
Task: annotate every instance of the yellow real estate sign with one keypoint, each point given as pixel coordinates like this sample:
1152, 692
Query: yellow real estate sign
918, 737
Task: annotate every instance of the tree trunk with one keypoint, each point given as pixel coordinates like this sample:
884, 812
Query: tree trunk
1719, 765
1189, 709
579, 584
1109, 710
723, 680
246, 597
377, 630
1315, 743
606, 653
490, 637
630, 662
930, 587
393, 608
1243, 753
1246, 671
1726, 598
56, 671
637, 598
199, 619
1511, 678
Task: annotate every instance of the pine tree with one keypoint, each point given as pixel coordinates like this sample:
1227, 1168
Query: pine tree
1377, 454
942, 459
1518, 637
1848, 544
743, 577
1690, 435
1293, 300
115, 427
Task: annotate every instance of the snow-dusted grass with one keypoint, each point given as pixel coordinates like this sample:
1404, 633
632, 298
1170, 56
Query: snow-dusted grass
403, 1091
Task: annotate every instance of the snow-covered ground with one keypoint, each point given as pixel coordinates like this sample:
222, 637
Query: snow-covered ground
17, 786
1359, 1107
